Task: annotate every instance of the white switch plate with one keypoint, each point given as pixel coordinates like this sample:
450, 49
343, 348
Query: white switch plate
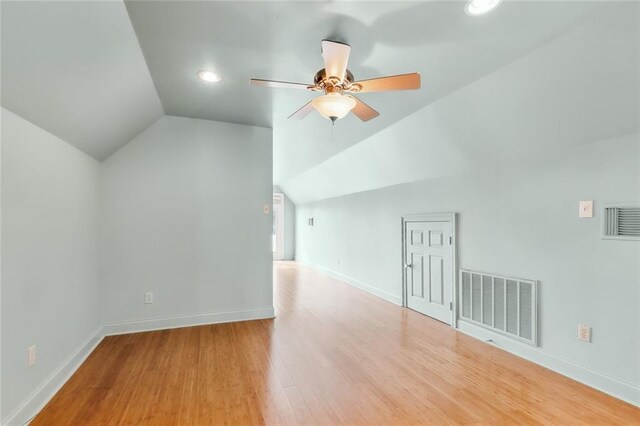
266, 209
31, 356
586, 209
584, 333
148, 297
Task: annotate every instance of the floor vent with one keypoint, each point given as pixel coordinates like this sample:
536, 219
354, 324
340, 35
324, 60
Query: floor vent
621, 222
505, 305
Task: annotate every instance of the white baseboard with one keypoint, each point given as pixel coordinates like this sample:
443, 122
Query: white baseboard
52, 384
152, 324
358, 284
622, 390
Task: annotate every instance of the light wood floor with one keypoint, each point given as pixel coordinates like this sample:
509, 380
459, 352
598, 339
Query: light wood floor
333, 355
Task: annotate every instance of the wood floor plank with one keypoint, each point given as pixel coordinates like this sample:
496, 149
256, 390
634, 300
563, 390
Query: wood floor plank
333, 355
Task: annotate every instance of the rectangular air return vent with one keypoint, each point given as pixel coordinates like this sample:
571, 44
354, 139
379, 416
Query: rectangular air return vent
621, 222
502, 304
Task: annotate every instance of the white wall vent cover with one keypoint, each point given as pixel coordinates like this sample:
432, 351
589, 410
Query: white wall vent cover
505, 305
621, 222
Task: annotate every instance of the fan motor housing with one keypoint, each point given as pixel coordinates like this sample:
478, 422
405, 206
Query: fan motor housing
321, 79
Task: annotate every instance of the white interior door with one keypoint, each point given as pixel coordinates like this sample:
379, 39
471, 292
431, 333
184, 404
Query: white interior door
429, 268
277, 235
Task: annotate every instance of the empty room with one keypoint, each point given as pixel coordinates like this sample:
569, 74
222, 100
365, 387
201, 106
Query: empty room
319, 212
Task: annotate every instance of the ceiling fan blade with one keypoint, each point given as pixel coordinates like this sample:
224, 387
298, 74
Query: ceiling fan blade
277, 84
302, 112
394, 82
363, 111
336, 57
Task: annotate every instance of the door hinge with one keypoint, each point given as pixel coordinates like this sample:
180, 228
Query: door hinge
450, 240
451, 306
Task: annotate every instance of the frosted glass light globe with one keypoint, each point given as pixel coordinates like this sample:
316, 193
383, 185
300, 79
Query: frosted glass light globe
333, 106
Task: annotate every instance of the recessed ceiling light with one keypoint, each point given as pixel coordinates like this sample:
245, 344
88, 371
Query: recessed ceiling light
480, 7
209, 76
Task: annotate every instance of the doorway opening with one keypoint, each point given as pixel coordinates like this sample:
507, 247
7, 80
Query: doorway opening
277, 235
429, 265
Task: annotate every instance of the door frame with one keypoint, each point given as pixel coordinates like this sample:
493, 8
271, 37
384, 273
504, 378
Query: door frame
433, 217
279, 253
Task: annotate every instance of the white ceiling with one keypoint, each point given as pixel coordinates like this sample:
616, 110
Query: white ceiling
97, 73
281, 40
76, 70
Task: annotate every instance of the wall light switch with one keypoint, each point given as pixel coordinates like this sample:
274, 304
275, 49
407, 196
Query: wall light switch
586, 209
266, 209
148, 297
31, 356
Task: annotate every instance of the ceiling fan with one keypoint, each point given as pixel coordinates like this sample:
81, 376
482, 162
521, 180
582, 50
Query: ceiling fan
338, 85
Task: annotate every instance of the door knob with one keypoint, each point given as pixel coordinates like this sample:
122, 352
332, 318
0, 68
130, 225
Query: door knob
408, 265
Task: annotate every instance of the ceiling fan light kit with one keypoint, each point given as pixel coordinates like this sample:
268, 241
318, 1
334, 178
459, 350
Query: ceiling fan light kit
338, 85
333, 105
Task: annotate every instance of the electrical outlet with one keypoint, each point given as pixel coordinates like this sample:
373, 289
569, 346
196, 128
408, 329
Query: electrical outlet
148, 297
31, 356
584, 333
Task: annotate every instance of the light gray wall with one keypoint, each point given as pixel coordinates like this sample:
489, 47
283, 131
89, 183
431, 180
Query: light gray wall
518, 219
183, 217
50, 286
289, 225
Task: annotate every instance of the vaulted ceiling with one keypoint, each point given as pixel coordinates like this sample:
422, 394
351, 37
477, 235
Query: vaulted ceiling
76, 70
581, 88
98, 73
281, 40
